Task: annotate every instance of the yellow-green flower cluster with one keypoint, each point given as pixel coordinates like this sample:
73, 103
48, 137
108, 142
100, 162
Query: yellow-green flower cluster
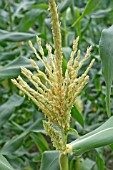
45, 95
55, 136
57, 94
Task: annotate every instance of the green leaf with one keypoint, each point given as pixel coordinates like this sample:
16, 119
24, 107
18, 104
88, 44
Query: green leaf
84, 164
40, 142
111, 146
39, 6
12, 145
106, 54
67, 52
99, 159
22, 5
72, 131
101, 13
90, 6
9, 54
13, 68
77, 116
50, 160
64, 5
7, 108
4, 164
29, 19
15, 36
99, 137
64, 65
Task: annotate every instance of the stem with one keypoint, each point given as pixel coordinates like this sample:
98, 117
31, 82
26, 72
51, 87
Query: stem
64, 39
10, 17
63, 158
77, 163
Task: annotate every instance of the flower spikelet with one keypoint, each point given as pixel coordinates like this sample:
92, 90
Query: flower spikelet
55, 136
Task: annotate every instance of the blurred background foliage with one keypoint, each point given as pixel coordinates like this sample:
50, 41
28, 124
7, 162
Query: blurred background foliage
22, 137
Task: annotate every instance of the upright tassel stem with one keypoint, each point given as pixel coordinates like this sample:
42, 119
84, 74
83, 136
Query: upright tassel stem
63, 161
57, 38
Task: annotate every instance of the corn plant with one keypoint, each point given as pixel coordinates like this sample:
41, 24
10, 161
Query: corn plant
56, 95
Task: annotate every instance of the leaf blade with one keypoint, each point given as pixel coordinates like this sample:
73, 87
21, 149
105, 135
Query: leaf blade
90, 6
97, 138
106, 55
50, 160
4, 164
14, 36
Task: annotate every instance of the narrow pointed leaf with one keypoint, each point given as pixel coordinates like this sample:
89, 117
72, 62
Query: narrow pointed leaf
13, 68
15, 36
91, 5
77, 116
106, 54
40, 142
7, 108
